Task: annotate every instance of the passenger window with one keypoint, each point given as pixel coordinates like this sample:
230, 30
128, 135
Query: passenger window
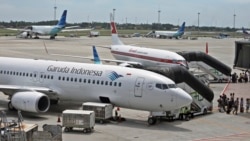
101, 82
97, 82
120, 84
110, 83
75, 79
106, 83
27, 74
63, 78
80, 80
93, 81
31, 75
71, 79
59, 78
51, 77
115, 83
67, 79
84, 81
89, 81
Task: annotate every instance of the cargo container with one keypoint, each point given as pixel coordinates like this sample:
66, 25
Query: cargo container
78, 119
103, 111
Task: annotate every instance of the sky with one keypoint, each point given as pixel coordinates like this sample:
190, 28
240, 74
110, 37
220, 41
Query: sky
218, 13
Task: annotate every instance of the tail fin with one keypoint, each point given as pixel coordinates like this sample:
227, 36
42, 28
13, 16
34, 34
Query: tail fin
244, 30
96, 56
62, 21
182, 28
114, 33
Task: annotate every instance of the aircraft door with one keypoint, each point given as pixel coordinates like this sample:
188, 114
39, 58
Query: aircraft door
139, 87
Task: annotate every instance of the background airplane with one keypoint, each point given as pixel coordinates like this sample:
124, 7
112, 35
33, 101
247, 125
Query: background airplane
171, 34
52, 31
146, 57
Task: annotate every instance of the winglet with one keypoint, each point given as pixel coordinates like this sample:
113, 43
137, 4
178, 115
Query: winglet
96, 56
62, 21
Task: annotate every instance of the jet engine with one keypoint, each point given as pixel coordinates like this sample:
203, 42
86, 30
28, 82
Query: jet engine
126, 65
30, 101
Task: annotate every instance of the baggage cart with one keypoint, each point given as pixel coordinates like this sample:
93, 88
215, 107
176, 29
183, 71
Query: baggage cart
103, 111
78, 119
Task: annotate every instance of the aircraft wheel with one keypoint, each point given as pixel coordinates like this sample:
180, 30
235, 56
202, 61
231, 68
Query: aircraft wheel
205, 112
52, 37
36, 37
151, 120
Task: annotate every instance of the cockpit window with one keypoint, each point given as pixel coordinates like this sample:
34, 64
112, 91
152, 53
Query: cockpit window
172, 86
161, 86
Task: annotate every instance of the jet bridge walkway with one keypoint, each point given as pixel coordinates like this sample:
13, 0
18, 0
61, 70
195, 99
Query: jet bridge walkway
209, 62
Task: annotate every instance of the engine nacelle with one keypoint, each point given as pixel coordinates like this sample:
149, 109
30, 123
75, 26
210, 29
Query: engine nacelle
126, 65
30, 101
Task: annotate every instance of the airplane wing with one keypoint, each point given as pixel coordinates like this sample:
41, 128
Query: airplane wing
11, 89
73, 29
18, 29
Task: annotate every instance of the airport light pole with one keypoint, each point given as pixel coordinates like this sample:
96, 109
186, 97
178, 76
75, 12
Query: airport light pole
114, 14
159, 14
55, 11
198, 22
234, 21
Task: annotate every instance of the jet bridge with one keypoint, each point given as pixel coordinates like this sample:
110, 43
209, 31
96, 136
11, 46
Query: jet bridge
242, 57
194, 85
208, 64
180, 74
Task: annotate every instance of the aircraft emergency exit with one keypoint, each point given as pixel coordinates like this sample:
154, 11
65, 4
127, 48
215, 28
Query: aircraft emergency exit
32, 84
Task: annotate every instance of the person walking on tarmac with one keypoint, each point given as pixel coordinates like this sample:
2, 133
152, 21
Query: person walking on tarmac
236, 105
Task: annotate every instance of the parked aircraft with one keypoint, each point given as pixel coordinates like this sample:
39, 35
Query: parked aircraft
171, 34
33, 84
52, 31
146, 57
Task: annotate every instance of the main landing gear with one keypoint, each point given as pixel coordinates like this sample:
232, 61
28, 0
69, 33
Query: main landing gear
11, 107
152, 120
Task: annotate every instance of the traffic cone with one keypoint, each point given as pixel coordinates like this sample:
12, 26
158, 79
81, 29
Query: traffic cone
58, 119
206, 48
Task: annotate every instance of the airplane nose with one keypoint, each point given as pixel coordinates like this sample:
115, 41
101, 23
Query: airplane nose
184, 99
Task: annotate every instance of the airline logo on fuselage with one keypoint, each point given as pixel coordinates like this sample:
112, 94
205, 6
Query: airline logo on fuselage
112, 75
74, 70
136, 51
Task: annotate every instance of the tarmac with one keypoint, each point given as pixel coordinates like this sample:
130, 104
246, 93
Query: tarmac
213, 126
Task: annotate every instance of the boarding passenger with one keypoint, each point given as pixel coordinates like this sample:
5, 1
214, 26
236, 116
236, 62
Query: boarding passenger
247, 104
229, 105
241, 105
236, 105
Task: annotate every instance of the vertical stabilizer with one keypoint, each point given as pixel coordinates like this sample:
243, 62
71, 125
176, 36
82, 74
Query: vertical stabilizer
114, 33
96, 56
182, 28
62, 21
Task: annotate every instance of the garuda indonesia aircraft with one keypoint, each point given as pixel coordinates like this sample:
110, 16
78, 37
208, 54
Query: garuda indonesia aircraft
33, 84
52, 31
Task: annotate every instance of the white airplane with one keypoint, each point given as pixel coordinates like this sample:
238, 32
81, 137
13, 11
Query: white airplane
171, 34
31, 85
36, 30
145, 57
52, 31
